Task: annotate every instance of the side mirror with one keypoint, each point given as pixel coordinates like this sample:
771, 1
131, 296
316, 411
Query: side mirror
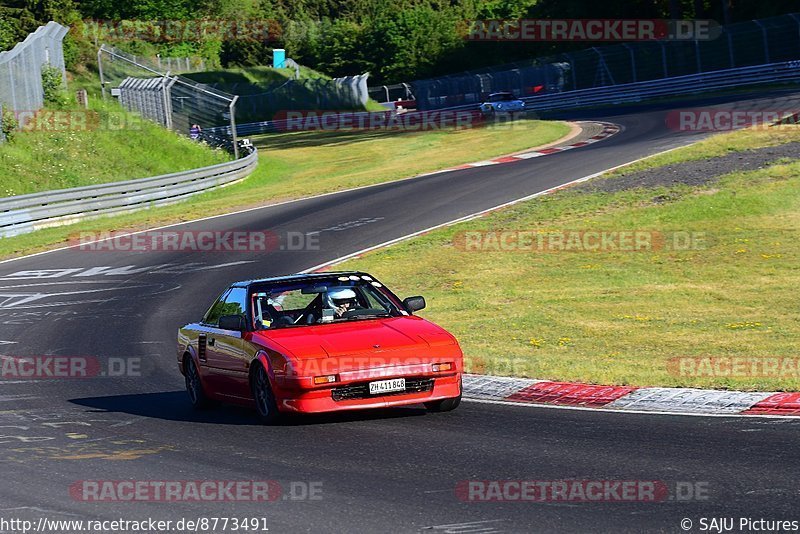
232, 322
413, 304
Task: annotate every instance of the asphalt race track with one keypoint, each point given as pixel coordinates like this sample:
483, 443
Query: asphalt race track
389, 471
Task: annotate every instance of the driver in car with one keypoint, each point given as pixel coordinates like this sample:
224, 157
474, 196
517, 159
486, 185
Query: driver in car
341, 300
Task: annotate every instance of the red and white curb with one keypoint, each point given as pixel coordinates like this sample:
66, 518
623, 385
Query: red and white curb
608, 130
588, 396
629, 398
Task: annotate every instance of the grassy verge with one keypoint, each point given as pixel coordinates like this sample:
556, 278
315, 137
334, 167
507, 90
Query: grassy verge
627, 317
301, 164
71, 148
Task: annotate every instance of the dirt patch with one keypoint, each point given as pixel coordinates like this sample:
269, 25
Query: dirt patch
695, 173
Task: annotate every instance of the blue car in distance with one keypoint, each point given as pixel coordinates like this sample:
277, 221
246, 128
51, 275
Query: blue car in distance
502, 102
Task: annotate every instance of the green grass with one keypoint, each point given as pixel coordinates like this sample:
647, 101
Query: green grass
320, 162
247, 80
301, 164
122, 147
623, 317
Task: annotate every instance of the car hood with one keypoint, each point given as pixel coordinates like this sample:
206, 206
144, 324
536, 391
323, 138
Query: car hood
361, 337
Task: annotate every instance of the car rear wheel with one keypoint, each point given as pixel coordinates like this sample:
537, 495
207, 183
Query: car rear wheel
194, 387
266, 405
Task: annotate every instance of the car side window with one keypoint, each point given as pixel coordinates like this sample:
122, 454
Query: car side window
235, 302
213, 314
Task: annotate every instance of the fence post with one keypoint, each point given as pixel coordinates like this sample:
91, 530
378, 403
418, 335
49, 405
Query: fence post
764, 37
730, 48
697, 55
633, 61
100, 69
13, 89
232, 110
165, 96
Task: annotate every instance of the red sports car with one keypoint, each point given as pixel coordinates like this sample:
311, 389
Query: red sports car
313, 343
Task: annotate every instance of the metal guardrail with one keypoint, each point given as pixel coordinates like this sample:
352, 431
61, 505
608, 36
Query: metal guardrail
26, 213
787, 71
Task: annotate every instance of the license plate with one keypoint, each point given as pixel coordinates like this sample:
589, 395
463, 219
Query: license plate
387, 386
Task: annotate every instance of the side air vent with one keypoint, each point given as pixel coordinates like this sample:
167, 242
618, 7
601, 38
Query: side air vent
201, 347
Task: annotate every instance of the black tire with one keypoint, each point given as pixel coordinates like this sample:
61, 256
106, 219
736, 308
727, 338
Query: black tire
194, 387
266, 406
444, 405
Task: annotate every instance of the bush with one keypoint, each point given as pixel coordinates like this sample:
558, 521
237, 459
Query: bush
9, 123
9, 33
53, 86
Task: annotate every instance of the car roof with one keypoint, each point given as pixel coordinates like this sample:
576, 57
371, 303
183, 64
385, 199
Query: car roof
502, 93
299, 277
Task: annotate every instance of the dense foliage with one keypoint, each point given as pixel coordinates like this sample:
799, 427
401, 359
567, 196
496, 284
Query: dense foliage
397, 40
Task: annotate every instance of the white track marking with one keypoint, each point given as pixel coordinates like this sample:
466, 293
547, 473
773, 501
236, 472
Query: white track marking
482, 212
640, 412
238, 212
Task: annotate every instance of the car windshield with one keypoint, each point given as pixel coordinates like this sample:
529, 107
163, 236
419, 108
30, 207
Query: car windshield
501, 97
321, 301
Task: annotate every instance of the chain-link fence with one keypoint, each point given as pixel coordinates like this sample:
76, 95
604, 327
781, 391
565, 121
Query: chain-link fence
177, 65
173, 101
744, 44
306, 94
21, 68
391, 93
340, 94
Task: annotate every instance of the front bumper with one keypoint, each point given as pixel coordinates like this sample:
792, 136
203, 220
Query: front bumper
442, 386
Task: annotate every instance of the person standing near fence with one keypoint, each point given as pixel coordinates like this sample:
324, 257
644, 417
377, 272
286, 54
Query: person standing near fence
194, 132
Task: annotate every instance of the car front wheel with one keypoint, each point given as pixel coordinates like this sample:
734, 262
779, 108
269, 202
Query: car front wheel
445, 405
265, 399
